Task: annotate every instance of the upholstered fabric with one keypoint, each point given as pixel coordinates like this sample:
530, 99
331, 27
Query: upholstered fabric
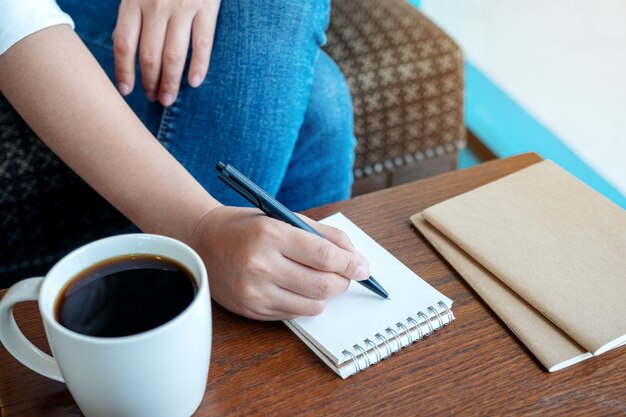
406, 79
46, 209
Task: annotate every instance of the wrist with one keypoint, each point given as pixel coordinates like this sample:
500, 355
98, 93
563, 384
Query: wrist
194, 238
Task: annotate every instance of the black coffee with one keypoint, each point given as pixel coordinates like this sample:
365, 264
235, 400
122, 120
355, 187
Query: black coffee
125, 295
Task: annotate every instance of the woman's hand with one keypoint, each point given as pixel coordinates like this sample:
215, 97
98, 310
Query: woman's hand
161, 30
266, 269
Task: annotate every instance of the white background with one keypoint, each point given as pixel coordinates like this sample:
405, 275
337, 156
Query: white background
563, 61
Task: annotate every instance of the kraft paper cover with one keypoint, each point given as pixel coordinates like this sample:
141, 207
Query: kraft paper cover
553, 348
554, 241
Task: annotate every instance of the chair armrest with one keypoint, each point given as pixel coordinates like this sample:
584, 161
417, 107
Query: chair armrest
406, 77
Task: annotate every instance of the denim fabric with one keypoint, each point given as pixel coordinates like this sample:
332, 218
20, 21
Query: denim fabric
273, 104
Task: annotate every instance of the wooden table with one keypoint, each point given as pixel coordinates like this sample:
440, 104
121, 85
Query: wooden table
475, 366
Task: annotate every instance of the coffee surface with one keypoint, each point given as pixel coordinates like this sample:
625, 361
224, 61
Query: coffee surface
125, 296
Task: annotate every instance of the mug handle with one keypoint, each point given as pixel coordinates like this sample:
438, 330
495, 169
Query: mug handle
14, 340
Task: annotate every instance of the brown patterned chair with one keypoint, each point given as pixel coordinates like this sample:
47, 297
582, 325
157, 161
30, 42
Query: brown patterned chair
406, 77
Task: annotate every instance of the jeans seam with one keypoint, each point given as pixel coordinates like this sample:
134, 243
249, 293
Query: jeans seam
164, 126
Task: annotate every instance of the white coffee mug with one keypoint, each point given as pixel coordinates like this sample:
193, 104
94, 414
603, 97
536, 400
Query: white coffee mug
159, 372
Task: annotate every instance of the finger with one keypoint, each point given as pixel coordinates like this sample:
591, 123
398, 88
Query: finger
279, 304
337, 236
292, 304
270, 314
125, 39
203, 33
267, 315
174, 55
153, 30
310, 283
341, 239
322, 254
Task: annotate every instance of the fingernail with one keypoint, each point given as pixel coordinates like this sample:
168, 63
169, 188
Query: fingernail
150, 96
124, 89
167, 99
362, 272
195, 81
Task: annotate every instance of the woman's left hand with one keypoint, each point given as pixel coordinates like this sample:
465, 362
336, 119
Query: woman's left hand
161, 30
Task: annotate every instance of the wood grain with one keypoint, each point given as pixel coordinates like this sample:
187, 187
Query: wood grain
475, 366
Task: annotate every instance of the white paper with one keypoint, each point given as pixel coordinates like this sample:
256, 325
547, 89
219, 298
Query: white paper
359, 314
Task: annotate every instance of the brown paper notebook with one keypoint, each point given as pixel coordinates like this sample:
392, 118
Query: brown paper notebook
554, 242
553, 348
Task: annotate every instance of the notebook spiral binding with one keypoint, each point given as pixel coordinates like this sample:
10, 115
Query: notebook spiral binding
373, 352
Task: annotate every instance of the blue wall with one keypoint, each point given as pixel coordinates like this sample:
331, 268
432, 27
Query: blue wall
507, 129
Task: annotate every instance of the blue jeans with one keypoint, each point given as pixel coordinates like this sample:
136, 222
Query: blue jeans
273, 104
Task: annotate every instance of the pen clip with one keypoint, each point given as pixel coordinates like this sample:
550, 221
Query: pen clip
240, 188
260, 198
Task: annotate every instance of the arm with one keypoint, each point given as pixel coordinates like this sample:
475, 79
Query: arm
258, 267
60, 90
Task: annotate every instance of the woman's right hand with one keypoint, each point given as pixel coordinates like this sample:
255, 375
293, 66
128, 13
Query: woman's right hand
266, 269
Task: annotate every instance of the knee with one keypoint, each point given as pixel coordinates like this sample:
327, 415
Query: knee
313, 16
330, 106
286, 24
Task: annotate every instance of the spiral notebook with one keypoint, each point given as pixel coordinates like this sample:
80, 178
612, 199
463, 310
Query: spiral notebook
358, 328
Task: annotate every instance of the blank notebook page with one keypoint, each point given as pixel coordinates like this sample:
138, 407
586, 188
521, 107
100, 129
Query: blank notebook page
359, 314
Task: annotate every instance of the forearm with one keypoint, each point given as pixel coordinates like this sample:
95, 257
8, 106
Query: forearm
60, 90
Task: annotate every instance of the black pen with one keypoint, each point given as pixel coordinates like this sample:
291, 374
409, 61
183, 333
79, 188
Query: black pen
270, 206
